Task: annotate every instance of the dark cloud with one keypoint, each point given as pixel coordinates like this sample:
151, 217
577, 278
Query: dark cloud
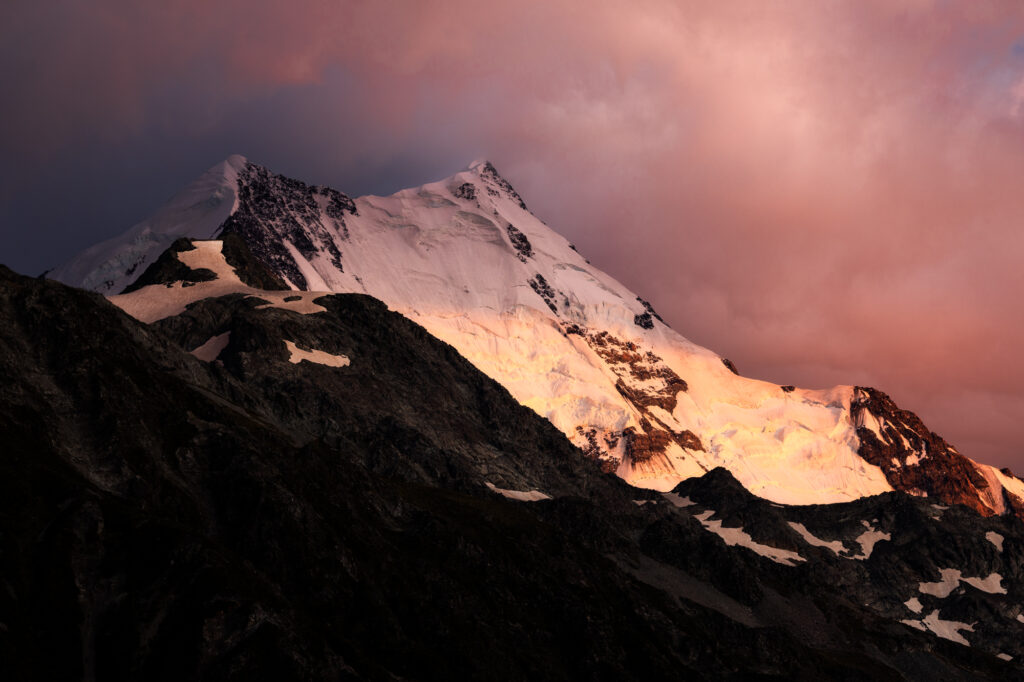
825, 192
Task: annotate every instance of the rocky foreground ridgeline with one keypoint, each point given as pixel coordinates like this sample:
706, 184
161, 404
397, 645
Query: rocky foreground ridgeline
248, 491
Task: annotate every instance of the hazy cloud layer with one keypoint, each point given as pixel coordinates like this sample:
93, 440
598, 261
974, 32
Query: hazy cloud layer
824, 192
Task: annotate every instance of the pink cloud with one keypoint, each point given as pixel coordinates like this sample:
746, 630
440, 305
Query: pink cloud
825, 192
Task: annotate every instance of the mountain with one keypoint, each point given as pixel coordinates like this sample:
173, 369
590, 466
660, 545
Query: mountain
270, 484
466, 259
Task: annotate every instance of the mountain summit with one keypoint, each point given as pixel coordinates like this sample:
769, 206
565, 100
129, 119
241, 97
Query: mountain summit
467, 260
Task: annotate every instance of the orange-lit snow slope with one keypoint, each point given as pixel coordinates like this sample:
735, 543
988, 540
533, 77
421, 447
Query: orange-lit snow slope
465, 258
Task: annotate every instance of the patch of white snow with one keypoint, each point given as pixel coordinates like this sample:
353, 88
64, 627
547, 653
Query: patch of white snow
950, 581
736, 536
952, 577
947, 629
836, 546
297, 355
519, 495
209, 351
678, 500
868, 539
993, 584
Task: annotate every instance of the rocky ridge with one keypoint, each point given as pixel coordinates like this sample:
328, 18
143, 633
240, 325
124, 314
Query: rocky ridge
254, 514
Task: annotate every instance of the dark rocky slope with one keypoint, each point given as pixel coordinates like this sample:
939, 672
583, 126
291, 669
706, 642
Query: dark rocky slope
251, 518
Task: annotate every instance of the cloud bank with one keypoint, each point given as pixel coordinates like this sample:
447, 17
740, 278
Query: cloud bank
824, 192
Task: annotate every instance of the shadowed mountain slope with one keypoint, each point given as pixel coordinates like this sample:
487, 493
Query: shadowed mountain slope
258, 488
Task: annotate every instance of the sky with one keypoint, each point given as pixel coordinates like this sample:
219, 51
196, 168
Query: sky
826, 192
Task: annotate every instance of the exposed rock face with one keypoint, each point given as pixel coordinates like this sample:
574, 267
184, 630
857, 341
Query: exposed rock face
919, 461
167, 269
632, 365
466, 190
645, 381
520, 243
544, 290
649, 309
249, 269
497, 184
276, 215
644, 320
252, 517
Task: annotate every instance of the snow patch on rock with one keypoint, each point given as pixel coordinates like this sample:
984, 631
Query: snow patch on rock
158, 301
952, 577
209, 351
993, 584
519, 495
737, 536
916, 624
914, 604
297, 355
868, 539
947, 629
949, 581
836, 546
678, 500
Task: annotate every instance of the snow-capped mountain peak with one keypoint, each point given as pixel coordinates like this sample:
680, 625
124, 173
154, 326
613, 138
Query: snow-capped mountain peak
196, 211
466, 259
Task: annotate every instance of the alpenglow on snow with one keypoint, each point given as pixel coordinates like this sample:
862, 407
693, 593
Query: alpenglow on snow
467, 260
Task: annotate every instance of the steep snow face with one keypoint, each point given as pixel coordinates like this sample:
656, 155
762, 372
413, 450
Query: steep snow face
197, 211
465, 258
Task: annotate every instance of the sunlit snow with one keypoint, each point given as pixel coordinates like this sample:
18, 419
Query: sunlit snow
447, 261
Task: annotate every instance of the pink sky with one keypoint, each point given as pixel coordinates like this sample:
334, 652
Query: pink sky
826, 192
